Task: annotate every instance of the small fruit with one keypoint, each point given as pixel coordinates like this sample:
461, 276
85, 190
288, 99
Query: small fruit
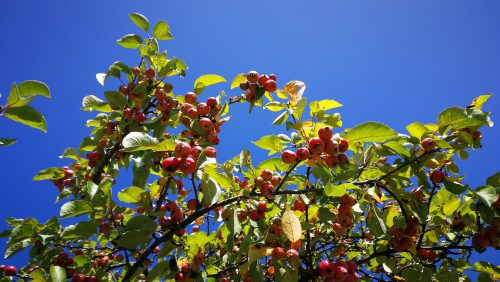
326, 268
150, 73
302, 154
316, 146
78, 278
190, 97
191, 204
128, 113
262, 206
187, 165
170, 164
263, 79
270, 85
266, 174
272, 76
428, 144
212, 102
203, 109
211, 152
325, 133
292, 256
278, 253
343, 145
206, 124
182, 149
437, 176
288, 157
252, 76
341, 272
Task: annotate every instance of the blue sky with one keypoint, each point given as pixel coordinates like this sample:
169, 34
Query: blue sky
390, 61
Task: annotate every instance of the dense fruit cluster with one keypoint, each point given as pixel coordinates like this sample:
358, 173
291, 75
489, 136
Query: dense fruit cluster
322, 149
257, 83
345, 214
338, 271
488, 237
404, 239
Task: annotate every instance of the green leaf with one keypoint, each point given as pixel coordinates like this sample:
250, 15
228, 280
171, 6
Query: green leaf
324, 105
158, 271
75, 208
49, 173
479, 101
140, 20
332, 190
220, 178
397, 148
28, 116
487, 195
238, 79
454, 187
450, 206
275, 106
132, 195
272, 164
131, 41
138, 141
57, 273
142, 223
211, 192
376, 223
301, 105
269, 142
7, 141
81, 230
206, 80
281, 118
457, 118
162, 31
33, 87
91, 102
165, 145
23, 93
131, 239
369, 132
38, 275
116, 100
417, 129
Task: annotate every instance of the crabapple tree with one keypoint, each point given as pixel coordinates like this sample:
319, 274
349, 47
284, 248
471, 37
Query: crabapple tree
330, 203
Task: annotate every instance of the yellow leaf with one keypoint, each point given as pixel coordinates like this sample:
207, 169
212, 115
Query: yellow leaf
290, 224
295, 89
255, 252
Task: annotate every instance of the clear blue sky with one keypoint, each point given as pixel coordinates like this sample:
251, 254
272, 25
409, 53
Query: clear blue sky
391, 61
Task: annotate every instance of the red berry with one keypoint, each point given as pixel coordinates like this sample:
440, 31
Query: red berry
212, 102
140, 117
182, 149
254, 215
252, 76
332, 161
325, 133
196, 151
302, 154
326, 268
272, 76
340, 272
270, 85
203, 109
128, 113
206, 124
266, 174
288, 157
170, 164
343, 145
437, 176
262, 79
191, 204
278, 253
187, 165
150, 73
211, 152
428, 144
316, 146
262, 207
292, 256
190, 97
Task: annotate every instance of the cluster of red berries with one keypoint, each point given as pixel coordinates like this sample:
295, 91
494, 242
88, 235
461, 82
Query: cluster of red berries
165, 104
200, 119
62, 260
8, 270
404, 239
176, 216
488, 237
66, 180
292, 256
321, 149
266, 182
255, 82
258, 213
187, 268
83, 278
185, 158
426, 254
345, 214
338, 271
107, 224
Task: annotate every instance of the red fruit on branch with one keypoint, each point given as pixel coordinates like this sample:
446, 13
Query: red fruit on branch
288, 157
252, 76
316, 146
170, 164
428, 144
437, 176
